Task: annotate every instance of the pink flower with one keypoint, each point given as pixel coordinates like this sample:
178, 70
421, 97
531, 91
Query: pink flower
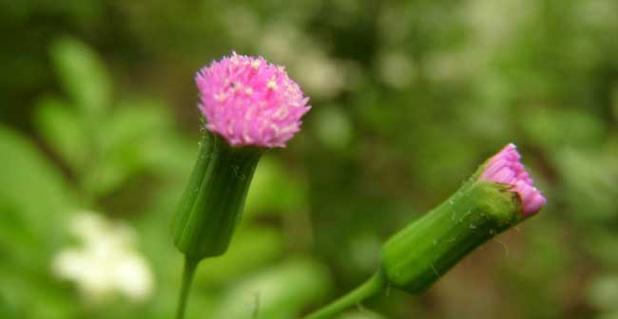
506, 168
250, 102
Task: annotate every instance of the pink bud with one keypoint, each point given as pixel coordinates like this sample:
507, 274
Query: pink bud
505, 168
250, 102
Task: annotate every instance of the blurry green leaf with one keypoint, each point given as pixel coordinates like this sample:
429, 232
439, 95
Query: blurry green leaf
61, 128
6, 309
280, 292
32, 188
107, 177
135, 120
138, 137
250, 249
602, 243
589, 183
333, 127
30, 293
274, 190
82, 74
34, 205
362, 314
138, 133
556, 128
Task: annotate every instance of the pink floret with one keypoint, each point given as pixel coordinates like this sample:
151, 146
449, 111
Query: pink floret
505, 168
250, 102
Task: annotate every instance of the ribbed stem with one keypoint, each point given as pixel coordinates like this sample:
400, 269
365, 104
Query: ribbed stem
370, 288
187, 279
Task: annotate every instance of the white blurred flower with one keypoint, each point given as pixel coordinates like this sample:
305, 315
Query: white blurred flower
106, 262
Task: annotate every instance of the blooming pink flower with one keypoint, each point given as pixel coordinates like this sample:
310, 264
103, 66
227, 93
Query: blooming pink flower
250, 102
506, 168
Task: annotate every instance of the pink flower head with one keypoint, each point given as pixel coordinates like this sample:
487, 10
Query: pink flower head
506, 168
250, 102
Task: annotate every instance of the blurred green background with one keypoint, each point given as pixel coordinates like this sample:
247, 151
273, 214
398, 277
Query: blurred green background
99, 130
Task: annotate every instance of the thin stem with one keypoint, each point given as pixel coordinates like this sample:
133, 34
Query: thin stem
187, 279
370, 288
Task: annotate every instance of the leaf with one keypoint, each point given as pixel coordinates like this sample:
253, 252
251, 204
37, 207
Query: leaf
82, 74
272, 189
251, 248
557, 128
34, 205
61, 128
280, 292
138, 137
33, 194
589, 183
361, 314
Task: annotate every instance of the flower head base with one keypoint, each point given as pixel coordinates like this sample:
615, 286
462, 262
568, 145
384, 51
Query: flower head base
506, 168
250, 102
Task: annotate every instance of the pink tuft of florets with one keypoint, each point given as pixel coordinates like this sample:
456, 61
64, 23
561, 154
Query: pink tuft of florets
250, 102
506, 168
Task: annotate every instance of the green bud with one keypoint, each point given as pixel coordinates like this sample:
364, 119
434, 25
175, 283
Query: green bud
213, 201
427, 248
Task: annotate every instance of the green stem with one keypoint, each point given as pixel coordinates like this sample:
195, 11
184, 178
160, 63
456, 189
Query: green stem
187, 278
370, 288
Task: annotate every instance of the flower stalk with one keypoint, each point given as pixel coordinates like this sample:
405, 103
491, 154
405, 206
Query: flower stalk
370, 288
249, 106
498, 196
187, 278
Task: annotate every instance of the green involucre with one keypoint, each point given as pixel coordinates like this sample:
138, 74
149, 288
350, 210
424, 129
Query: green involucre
213, 201
423, 251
